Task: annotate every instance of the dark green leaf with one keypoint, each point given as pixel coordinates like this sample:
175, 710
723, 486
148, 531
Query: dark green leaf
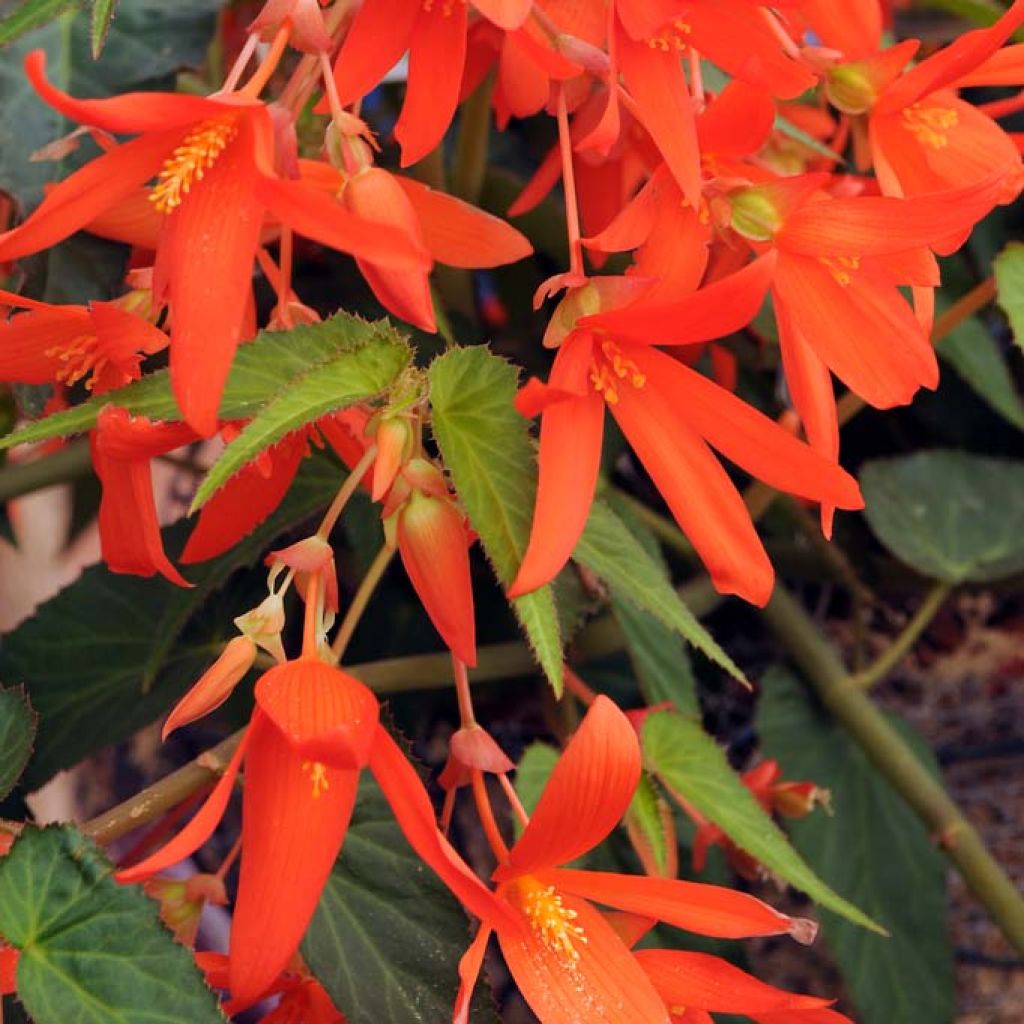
343, 361
609, 549
92, 951
487, 448
17, 730
261, 371
102, 16
387, 936
111, 653
1009, 271
32, 14
687, 761
951, 515
874, 848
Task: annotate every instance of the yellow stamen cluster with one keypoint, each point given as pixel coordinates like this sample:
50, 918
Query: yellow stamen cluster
552, 922
930, 125
841, 268
191, 160
606, 373
78, 358
672, 37
317, 777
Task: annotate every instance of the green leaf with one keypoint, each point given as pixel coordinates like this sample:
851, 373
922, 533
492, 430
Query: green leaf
688, 762
92, 951
261, 372
950, 515
532, 774
609, 549
487, 448
1009, 271
874, 848
102, 16
17, 730
649, 820
344, 360
111, 653
972, 351
32, 14
387, 935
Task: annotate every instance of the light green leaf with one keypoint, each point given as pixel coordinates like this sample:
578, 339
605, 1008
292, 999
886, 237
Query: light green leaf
344, 360
650, 824
972, 351
92, 951
688, 762
950, 515
33, 14
532, 774
609, 549
1009, 271
487, 448
17, 730
261, 371
129, 647
874, 848
387, 936
102, 16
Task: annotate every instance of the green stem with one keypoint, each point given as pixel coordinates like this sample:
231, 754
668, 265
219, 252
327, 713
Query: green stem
904, 643
72, 462
360, 600
473, 142
847, 702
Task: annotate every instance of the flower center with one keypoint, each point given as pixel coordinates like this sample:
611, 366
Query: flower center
317, 777
551, 921
191, 160
78, 358
930, 125
841, 268
673, 37
610, 369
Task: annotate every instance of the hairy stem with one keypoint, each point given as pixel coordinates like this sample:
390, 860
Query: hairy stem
854, 709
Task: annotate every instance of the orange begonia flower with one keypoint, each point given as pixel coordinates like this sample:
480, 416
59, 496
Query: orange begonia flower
568, 961
208, 154
101, 344
670, 414
313, 730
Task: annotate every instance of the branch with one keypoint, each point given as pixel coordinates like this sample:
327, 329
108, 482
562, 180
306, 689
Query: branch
72, 462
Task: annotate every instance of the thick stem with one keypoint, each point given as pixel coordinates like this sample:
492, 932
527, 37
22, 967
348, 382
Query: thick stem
72, 462
858, 714
904, 643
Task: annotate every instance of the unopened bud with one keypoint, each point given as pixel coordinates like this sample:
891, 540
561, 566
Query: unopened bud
850, 89
753, 215
394, 446
590, 58
264, 624
182, 901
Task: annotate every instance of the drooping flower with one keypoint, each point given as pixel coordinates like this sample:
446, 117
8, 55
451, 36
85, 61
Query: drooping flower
208, 154
670, 414
313, 730
566, 958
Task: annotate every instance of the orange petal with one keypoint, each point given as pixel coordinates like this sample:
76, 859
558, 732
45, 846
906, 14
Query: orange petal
705, 909
123, 335
8, 970
658, 87
744, 435
294, 817
461, 235
133, 220
570, 456
738, 122
128, 113
724, 306
433, 543
862, 329
506, 14
591, 785
704, 982
379, 35
26, 338
699, 493
88, 193
244, 502
437, 54
821, 1016
415, 816
855, 28
324, 713
197, 831
215, 685
469, 971
595, 979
